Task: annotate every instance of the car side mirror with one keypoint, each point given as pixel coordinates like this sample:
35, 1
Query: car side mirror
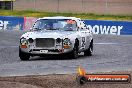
31, 29
78, 28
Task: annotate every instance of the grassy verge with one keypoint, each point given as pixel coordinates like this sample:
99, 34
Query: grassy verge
80, 15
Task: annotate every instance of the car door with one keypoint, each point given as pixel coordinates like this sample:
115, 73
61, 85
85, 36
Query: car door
84, 34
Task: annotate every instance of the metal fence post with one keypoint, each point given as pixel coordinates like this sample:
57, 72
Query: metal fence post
82, 6
58, 6
11, 5
106, 6
34, 5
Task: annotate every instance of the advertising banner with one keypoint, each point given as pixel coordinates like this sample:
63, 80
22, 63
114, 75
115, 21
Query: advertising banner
11, 23
110, 27
97, 26
28, 22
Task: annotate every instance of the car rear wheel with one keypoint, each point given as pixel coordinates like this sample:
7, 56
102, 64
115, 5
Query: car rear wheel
23, 56
89, 51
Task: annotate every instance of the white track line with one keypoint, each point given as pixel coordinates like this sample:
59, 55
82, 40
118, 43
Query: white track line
106, 43
110, 43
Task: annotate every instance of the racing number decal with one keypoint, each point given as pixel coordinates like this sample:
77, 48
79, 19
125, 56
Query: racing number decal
83, 42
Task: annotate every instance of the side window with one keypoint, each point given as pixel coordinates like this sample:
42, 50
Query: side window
82, 26
85, 26
36, 24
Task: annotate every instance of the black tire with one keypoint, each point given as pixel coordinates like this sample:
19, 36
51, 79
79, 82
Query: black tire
74, 53
61, 57
81, 80
89, 51
23, 56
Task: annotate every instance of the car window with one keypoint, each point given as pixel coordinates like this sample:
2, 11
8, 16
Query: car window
56, 24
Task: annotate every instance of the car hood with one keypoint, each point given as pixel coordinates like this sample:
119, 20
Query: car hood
49, 34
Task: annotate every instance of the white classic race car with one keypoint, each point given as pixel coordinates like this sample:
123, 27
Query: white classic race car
56, 36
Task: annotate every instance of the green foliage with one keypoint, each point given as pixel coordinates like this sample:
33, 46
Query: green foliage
32, 13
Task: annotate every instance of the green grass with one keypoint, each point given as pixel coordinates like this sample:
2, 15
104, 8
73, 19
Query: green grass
80, 15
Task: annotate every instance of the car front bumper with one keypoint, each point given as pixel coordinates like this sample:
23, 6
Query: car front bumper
45, 51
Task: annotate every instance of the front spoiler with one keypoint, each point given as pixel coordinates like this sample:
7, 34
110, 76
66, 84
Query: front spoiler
50, 52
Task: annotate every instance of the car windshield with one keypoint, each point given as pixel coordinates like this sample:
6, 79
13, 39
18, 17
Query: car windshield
55, 24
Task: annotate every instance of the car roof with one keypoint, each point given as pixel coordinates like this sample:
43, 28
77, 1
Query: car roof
61, 17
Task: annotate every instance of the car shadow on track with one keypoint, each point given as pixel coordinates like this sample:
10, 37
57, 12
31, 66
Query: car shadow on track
36, 58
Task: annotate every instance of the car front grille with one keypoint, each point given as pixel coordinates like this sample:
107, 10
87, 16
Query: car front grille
45, 42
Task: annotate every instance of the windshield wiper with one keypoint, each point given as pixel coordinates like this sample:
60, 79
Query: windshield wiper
37, 29
52, 29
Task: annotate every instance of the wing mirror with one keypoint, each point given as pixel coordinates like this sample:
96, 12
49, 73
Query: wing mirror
31, 29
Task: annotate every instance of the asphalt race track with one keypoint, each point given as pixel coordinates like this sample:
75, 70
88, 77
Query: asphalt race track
111, 53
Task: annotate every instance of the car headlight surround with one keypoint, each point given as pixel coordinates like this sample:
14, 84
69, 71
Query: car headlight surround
66, 41
58, 40
23, 41
30, 40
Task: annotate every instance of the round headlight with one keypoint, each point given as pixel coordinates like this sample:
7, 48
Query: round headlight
30, 40
58, 40
23, 41
66, 41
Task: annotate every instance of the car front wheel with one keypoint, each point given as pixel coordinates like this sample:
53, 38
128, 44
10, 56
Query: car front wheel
23, 56
74, 53
89, 51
